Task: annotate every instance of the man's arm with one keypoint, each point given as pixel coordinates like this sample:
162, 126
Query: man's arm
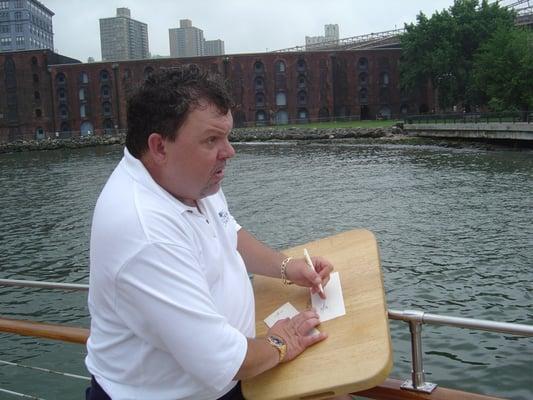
258, 258
262, 356
262, 260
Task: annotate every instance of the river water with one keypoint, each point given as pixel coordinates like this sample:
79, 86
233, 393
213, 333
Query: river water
454, 226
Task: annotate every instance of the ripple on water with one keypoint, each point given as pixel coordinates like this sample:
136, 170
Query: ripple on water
454, 228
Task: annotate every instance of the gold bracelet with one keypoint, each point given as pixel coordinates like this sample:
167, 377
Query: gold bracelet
283, 271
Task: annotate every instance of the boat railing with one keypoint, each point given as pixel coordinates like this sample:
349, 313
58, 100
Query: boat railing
415, 319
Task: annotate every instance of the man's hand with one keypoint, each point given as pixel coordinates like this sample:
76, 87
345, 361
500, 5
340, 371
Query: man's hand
301, 274
294, 331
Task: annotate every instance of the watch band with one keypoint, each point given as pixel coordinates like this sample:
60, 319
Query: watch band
279, 344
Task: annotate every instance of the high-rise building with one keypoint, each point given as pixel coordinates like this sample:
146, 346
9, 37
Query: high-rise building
123, 38
214, 47
332, 32
331, 37
188, 41
25, 25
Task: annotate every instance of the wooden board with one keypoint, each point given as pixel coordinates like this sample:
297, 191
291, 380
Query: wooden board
357, 355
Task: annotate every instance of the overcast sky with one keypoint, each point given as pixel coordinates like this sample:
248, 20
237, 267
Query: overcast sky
244, 26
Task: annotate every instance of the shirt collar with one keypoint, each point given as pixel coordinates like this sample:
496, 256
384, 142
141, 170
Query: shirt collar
136, 169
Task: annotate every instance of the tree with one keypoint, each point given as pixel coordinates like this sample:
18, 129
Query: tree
440, 50
503, 70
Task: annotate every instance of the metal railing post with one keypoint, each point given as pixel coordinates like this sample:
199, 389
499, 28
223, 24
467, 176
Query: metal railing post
418, 381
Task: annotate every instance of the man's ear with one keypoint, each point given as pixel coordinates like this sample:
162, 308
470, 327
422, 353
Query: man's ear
156, 147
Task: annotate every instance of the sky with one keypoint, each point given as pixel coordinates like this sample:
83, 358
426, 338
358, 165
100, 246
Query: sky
244, 26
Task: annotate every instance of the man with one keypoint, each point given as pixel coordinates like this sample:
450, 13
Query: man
172, 308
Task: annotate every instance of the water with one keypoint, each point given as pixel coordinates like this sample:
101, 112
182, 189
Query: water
454, 227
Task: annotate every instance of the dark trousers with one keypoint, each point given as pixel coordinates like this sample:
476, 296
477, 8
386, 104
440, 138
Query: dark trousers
95, 392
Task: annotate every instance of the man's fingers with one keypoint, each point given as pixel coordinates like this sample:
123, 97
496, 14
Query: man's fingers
312, 339
307, 325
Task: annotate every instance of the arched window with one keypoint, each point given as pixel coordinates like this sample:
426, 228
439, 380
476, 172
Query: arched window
86, 128
38, 113
303, 115
39, 133
108, 127
60, 78
34, 61
11, 75
301, 65
104, 75
84, 78
104, 91
384, 79
280, 67
148, 71
259, 83
259, 100
301, 81
259, 68
302, 97
385, 112
363, 78
363, 64
260, 118
281, 99
81, 94
323, 114
62, 94
363, 96
63, 112
106, 108
282, 117
83, 112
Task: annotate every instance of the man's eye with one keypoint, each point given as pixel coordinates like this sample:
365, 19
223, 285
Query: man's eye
212, 139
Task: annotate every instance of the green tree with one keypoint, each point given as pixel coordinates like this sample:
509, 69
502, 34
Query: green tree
503, 70
440, 50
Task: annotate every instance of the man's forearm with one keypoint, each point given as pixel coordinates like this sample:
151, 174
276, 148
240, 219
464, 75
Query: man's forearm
260, 357
258, 257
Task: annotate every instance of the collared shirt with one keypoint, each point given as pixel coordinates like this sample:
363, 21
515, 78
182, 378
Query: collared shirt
170, 300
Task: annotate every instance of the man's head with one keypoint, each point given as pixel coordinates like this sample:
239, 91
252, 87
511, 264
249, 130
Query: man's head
181, 122
164, 101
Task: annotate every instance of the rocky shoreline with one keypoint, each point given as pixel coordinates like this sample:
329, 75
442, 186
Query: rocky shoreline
238, 135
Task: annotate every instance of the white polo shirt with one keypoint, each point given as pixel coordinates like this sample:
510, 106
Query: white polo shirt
170, 300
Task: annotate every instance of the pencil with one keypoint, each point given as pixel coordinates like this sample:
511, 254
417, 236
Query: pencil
310, 264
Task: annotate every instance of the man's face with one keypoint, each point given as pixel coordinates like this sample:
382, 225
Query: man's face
194, 164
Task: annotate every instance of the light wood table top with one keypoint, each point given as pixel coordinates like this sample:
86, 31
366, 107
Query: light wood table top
357, 355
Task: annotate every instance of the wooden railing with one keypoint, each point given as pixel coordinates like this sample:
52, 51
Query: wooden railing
388, 390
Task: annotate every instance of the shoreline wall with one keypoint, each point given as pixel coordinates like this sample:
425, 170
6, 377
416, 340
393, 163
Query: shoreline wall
237, 135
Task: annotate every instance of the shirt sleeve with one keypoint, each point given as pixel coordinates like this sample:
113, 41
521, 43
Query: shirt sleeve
163, 297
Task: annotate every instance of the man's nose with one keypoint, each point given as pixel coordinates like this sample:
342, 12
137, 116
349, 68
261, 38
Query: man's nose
228, 151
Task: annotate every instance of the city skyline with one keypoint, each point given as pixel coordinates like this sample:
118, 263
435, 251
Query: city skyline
259, 28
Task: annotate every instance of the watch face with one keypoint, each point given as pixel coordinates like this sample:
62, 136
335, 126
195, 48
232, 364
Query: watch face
277, 341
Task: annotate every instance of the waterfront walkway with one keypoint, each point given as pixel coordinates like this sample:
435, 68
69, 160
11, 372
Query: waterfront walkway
517, 131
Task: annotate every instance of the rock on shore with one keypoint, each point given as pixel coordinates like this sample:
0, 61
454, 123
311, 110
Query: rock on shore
257, 134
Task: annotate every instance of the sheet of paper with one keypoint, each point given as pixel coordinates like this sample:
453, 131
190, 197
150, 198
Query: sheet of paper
333, 305
287, 310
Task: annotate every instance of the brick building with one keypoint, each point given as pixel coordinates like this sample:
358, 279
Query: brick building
268, 88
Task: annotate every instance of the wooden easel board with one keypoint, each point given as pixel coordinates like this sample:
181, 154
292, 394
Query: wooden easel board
357, 355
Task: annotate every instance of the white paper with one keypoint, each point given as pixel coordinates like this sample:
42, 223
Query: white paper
287, 310
333, 305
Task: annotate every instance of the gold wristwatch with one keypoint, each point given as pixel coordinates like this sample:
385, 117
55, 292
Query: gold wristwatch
279, 344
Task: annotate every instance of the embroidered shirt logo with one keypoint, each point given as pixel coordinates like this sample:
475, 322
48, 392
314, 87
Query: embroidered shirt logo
224, 216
